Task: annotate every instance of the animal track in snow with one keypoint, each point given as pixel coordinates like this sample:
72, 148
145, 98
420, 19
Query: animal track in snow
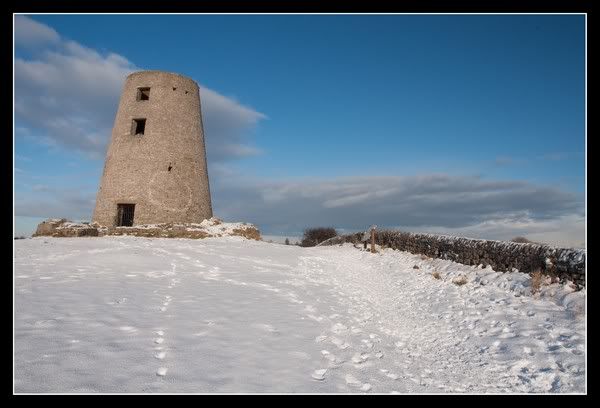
159, 340
161, 372
160, 355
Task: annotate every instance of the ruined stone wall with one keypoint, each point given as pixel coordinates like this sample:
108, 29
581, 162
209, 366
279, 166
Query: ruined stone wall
502, 256
163, 172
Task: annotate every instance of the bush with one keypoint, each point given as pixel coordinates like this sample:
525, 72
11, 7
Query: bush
521, 240
460, 280
536, 281
314, 236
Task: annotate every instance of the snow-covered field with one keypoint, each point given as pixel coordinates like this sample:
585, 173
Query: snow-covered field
228, 315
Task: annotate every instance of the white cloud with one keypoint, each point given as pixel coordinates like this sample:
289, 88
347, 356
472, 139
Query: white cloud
458, 205
564, 231
30, 33
67, 95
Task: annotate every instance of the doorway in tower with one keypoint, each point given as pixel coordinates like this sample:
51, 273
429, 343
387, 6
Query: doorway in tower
125, 215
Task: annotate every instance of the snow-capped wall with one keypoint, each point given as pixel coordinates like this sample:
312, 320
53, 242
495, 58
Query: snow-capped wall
212, 227
563, 263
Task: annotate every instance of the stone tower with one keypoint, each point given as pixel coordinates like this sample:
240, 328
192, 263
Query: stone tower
155, 169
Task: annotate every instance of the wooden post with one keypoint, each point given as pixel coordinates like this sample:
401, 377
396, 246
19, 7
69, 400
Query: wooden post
373, 240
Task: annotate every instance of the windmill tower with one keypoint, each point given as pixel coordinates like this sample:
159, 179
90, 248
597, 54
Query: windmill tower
155, 169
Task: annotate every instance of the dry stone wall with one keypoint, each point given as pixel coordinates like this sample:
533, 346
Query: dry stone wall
563, 263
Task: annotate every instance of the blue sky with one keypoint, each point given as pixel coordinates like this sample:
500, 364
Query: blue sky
471, 125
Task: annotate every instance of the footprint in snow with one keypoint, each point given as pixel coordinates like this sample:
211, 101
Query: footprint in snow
339, 328
45, 323
300, 354
161, 372
353, 382
160, 355
341, 344
359, 358
159, 340
128, 329
319, 374
310, 309
328, 356
266, 327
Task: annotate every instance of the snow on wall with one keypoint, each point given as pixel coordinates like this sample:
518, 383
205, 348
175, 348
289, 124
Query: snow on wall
566, 264
212, 227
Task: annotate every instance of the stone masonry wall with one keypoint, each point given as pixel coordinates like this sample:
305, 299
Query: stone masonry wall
563, 263
164, 171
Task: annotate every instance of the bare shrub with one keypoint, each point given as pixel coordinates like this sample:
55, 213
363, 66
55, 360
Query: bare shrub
536, 281
460, 280
521, 240
314, 236
436, 275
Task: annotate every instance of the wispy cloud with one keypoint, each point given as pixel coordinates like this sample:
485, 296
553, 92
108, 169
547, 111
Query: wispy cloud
553, 156
504, 160
559, 156
67, 94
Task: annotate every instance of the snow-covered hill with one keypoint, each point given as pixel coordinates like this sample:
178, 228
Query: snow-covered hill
132, 314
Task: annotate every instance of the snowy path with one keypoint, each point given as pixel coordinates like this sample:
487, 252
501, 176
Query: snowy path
125, 314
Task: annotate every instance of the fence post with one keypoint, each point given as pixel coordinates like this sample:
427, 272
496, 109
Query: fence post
372, 240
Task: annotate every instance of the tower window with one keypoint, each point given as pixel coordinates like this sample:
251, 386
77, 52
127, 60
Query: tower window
143, 94
138, 126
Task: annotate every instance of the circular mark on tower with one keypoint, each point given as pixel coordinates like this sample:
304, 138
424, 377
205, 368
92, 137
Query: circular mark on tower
168, 191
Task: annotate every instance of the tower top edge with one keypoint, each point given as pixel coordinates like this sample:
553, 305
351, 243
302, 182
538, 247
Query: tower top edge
157, 72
